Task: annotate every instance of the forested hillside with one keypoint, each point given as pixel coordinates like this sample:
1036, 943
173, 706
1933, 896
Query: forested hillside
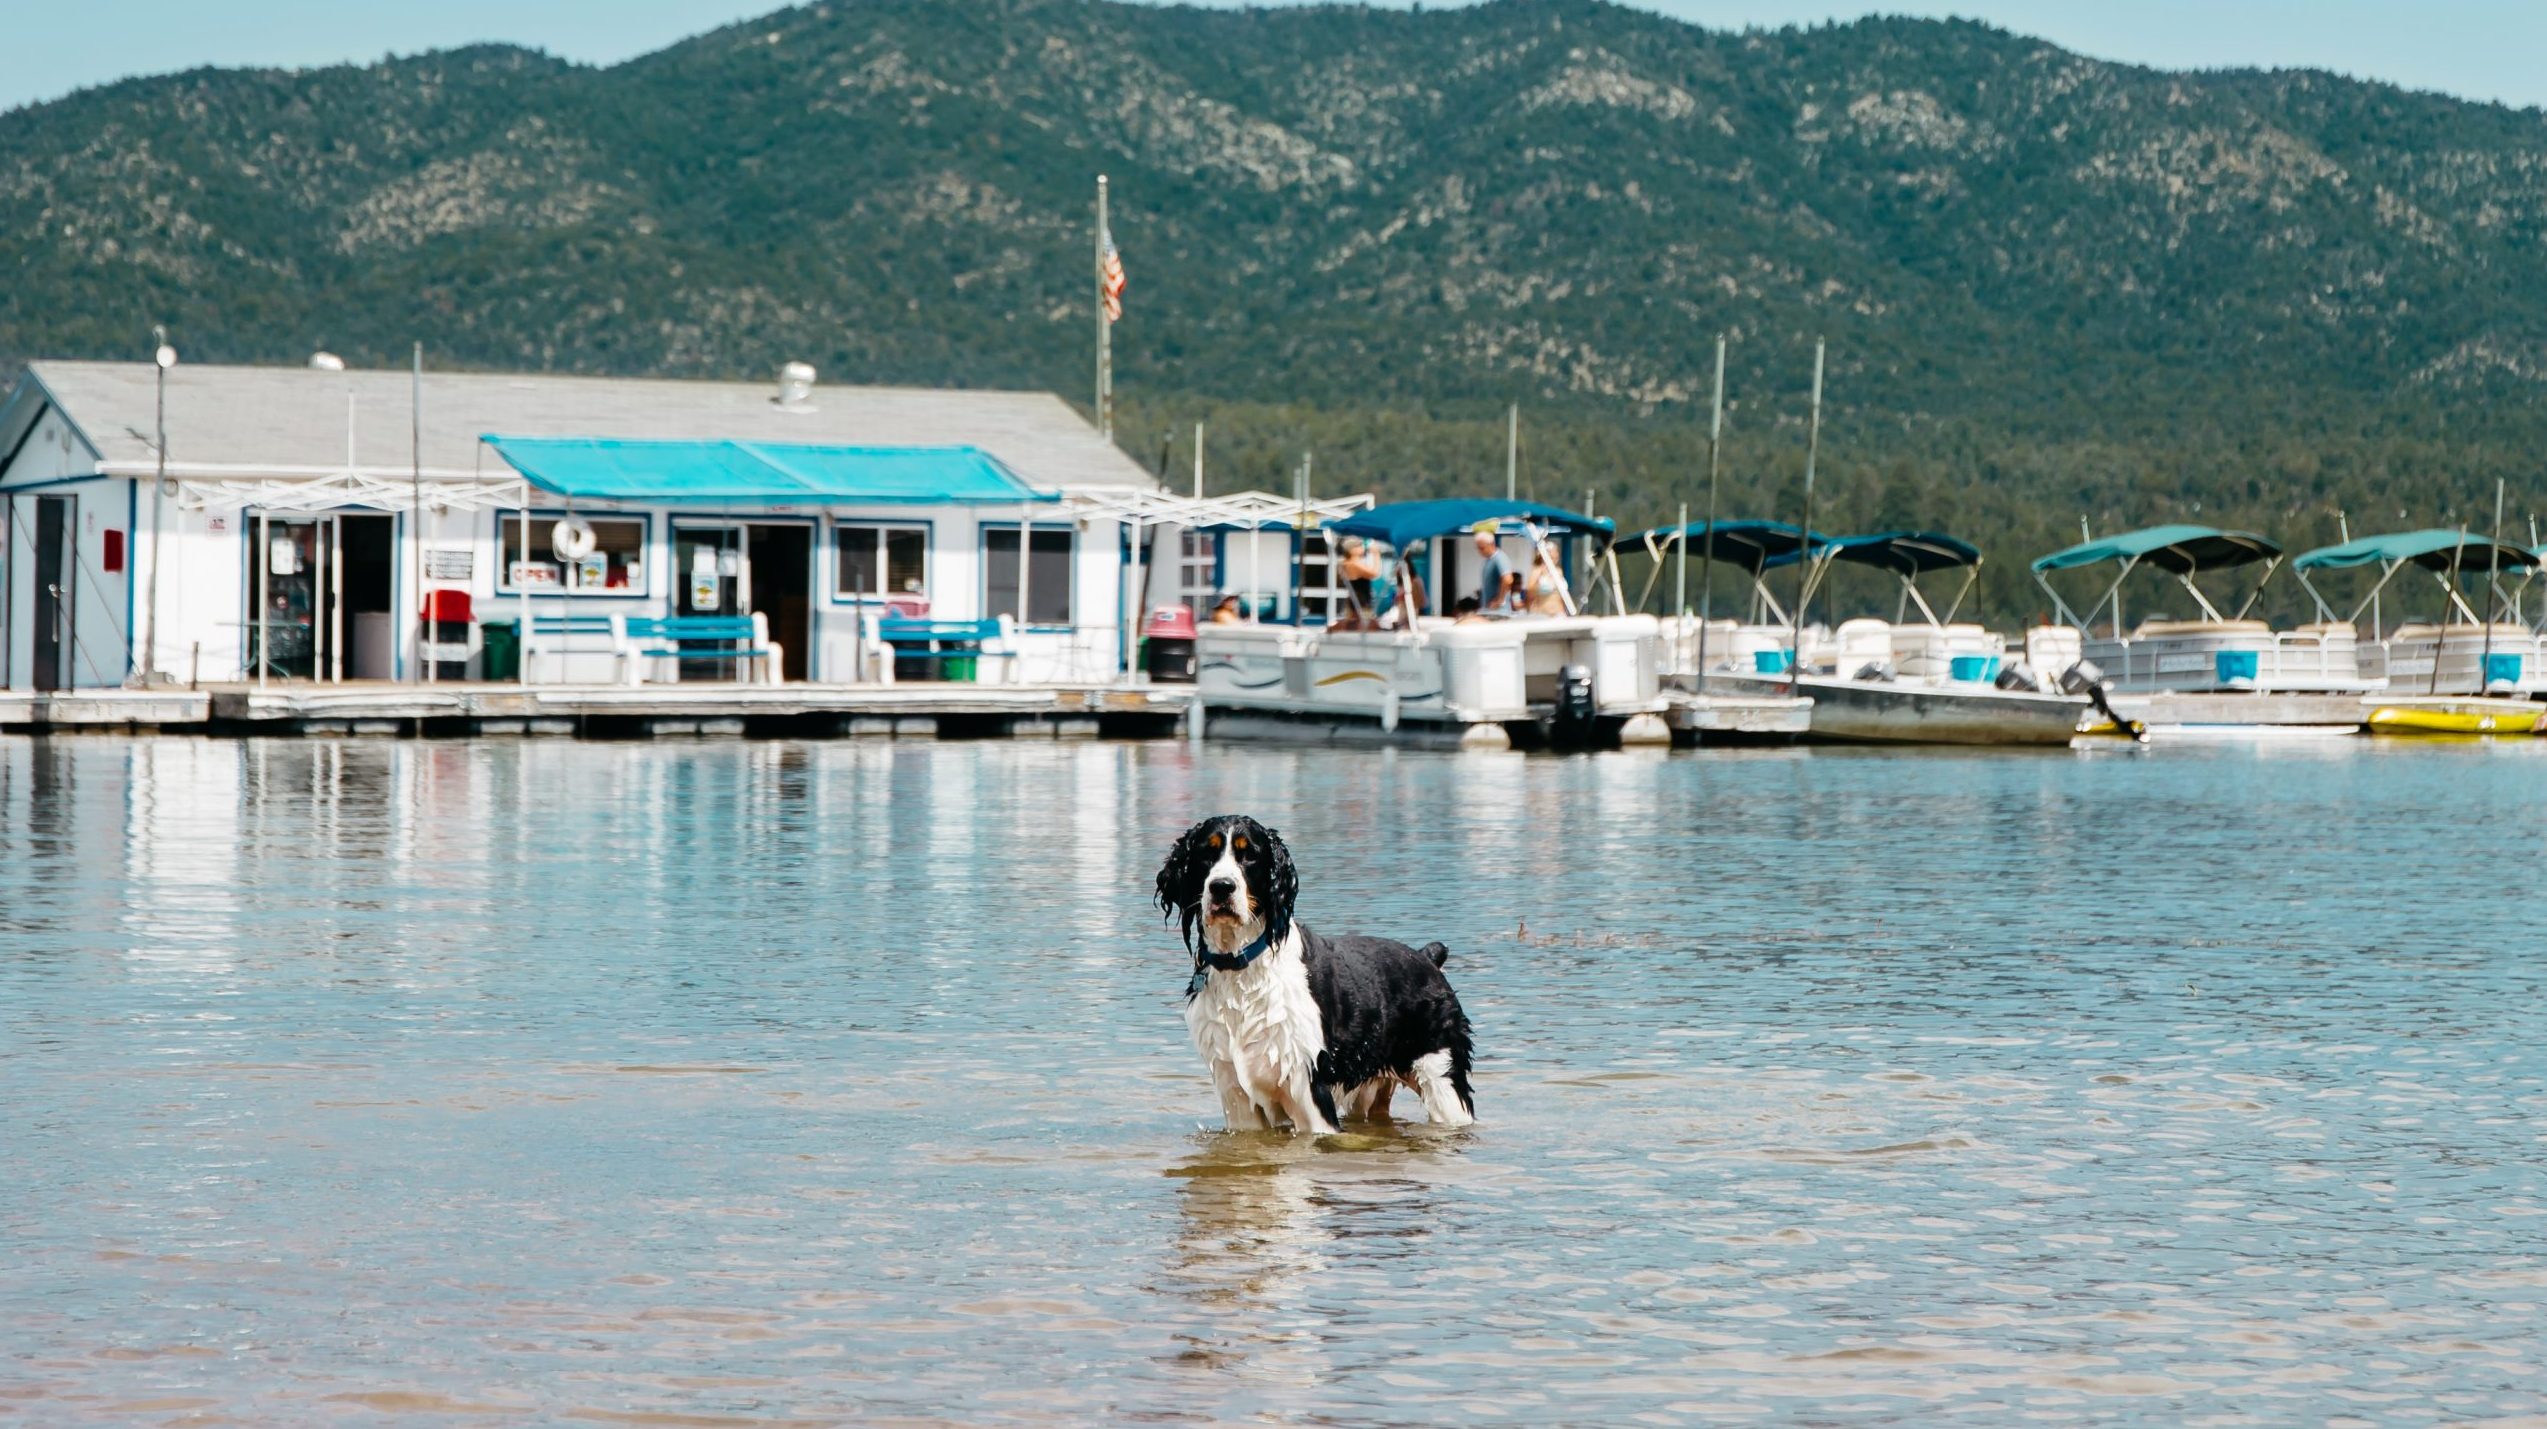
2054, 288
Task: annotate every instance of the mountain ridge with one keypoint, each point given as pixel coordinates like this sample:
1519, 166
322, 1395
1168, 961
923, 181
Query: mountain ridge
1346, 227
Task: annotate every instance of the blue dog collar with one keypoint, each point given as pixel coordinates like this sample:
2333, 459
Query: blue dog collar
1205, 961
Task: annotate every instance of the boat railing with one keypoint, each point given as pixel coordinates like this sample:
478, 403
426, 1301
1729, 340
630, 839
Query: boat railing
2195, 655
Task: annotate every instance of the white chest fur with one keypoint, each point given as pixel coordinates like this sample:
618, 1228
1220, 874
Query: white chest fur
1259, 1028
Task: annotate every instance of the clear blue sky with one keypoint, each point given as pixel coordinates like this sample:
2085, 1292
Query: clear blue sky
2482, 49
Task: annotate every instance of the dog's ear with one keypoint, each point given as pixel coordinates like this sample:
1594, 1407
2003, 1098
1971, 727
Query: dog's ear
1180, 879
1282, 884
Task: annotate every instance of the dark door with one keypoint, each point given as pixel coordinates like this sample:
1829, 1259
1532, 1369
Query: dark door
368, 547
782, 559
52, 592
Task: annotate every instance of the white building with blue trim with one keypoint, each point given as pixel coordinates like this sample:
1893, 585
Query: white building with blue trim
301, 522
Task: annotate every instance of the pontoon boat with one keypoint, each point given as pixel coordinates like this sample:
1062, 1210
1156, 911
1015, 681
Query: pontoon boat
1427, 678
2214, 652
2463, 653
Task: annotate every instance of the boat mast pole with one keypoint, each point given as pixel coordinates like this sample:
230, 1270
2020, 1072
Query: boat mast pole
1707, 557
1804, 566
2493, 589
1512, 454
2441, 637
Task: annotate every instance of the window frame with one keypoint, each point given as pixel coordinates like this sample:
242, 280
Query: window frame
1069, 532
505, 554
879, 524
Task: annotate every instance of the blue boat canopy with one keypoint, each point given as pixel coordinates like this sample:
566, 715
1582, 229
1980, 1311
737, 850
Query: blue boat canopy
2181, 550
1403, 523
1754, 546
726, 473
1908, 553
2433, 549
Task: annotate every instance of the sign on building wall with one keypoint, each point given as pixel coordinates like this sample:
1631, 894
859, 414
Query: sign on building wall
448, 563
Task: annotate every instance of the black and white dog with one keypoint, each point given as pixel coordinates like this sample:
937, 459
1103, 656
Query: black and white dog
1296, 1026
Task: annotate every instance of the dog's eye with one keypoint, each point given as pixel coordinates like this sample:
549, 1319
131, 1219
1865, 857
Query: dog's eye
1242, 843
1216, 841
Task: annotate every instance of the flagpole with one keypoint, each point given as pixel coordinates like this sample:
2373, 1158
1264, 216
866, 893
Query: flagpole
1105, 328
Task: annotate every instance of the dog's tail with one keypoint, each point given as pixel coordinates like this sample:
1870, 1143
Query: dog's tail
1436, 953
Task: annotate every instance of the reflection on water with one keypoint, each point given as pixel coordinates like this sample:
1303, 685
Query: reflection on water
762, 1083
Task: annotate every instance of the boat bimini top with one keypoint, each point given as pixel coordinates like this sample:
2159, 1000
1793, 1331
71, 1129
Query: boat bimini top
1751, 547
1908, 555
2442, 552
1400, 524
2181, 551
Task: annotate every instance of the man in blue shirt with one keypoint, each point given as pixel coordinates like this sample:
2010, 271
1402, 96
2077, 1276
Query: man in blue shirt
1498, 583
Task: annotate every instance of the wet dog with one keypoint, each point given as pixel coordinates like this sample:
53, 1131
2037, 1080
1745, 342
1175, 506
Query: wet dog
1301, 1029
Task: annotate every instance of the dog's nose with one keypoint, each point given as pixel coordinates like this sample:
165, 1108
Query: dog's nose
1222, 887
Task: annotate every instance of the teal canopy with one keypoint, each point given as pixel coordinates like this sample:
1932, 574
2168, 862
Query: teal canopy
2181, 550
1906, 553
718, 473
1403, 523
2433, 549
1755, 546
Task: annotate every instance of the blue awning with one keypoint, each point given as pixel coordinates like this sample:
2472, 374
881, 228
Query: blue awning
2435, 549
1755, 546
1908, 553
1403, 523
714, 473
2181, 550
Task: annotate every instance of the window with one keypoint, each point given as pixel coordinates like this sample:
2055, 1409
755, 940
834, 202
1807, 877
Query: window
1197, 563
617, 564
877, 561
1048, 575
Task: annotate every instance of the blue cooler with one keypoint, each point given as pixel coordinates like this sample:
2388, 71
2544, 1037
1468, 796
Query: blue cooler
2502, 670
1770, 662
1975, 669
2237, 666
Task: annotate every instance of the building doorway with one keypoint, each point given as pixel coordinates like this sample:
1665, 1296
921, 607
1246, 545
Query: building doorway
369, 544
779, 586
323, 599
54, 637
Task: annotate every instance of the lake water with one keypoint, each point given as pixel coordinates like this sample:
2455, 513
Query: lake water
722, 1083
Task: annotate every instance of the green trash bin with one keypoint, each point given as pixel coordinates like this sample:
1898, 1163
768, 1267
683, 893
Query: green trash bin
959, 667
500, 650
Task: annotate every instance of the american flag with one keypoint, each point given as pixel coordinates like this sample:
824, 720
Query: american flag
1110, 282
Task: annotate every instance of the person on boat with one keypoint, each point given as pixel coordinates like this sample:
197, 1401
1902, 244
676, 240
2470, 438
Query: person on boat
1228, 613
1498, 584
1361, 572
1466, 612
1545, 594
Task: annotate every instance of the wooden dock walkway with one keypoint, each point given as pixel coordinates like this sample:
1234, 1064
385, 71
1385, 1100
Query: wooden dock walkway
916, 710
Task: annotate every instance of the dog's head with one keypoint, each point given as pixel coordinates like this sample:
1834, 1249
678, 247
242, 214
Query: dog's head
1226, 876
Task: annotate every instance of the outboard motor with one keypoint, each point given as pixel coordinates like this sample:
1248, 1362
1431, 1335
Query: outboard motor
2020, 677
1875, 672
1576, 711
2084, 678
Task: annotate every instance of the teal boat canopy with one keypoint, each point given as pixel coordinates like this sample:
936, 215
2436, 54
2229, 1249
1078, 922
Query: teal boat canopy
729, 473
1755, 546
2181, 550
1403, 523
2433, 549
1907, 553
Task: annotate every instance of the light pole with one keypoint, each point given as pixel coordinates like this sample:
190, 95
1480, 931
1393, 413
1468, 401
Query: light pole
165, 357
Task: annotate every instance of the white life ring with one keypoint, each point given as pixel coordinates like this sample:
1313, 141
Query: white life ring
573, 540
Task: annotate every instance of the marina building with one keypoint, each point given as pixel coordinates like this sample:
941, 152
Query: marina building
189, 523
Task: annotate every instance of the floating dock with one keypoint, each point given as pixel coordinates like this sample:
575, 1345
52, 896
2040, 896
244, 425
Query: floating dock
616, 711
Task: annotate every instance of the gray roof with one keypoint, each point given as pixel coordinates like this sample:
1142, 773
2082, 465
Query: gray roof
295, 417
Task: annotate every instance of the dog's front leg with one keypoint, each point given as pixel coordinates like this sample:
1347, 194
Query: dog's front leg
1300, 1102
1238, 1111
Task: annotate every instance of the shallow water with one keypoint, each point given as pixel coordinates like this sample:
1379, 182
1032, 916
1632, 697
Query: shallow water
763, 1083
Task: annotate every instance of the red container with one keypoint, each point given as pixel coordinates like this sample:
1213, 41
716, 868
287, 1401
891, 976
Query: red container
1172, 622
